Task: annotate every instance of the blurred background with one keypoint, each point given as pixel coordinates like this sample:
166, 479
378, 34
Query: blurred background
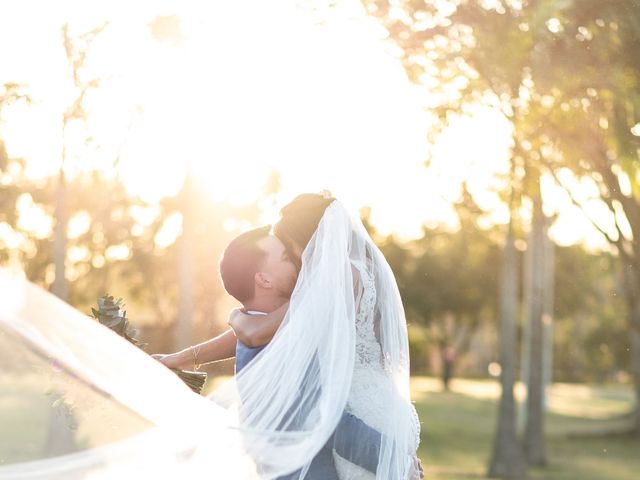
490, 146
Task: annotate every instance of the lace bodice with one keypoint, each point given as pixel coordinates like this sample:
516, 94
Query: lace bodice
370, 378
372, 391
368, 351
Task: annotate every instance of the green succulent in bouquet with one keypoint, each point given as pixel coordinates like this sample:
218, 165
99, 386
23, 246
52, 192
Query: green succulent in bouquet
111, 314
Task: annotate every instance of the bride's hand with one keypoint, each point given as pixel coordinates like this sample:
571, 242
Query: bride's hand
170, 360
416, 472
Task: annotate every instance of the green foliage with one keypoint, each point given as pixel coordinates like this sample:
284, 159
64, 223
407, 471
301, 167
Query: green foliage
106, 217
449, 284
448, 281
448, 272
111, 314
567, 75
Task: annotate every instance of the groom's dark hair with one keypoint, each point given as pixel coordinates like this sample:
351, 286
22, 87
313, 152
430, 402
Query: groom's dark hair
240, 262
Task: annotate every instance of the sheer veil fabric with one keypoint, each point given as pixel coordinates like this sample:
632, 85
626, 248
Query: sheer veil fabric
345, 321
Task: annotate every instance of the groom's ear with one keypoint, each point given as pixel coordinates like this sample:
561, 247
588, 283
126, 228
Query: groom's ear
263, 280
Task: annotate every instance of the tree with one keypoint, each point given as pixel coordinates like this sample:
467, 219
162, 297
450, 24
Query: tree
566, 75
448, 282
534, 440
508, 459
185, 245
592, 127
76, 50
591, 341
11, 169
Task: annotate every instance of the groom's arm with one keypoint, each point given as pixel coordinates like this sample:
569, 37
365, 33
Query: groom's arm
218, 348
357, 442
352, 431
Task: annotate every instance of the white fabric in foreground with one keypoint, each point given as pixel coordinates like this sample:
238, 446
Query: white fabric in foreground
97, 376
345, 327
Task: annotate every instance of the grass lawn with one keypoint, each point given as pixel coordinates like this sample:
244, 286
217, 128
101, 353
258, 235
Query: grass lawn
457, 431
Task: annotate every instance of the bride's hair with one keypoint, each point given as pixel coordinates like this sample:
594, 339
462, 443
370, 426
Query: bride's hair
240, 262
299, 219
243, 258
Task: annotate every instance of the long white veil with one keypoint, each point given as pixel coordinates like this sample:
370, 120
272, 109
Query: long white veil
291, 397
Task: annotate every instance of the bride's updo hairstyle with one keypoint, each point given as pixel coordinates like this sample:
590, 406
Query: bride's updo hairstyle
299, 220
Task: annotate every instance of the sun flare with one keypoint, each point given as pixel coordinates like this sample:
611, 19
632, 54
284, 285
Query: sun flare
238, 93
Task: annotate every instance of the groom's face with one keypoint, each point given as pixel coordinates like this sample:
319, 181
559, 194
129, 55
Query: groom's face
277, 264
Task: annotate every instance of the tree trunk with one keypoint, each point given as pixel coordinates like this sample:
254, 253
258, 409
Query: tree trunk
508, 460
525, 353
60, 437
534, 441
527, 295
633, 301
547, 312
635, 368
60, 287
184, 324
186, 309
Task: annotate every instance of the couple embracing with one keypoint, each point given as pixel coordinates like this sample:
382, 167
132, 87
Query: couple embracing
322, 358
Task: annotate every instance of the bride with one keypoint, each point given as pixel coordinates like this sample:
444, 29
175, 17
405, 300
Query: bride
340, 345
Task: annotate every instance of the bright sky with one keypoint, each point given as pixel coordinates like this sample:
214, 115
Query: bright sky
253, 87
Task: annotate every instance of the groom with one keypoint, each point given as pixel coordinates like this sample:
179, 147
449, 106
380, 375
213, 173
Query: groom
256, 270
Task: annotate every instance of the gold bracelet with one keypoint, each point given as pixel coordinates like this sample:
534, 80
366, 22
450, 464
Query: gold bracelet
194, 352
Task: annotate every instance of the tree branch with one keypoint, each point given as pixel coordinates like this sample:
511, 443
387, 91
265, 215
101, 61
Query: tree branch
619, 242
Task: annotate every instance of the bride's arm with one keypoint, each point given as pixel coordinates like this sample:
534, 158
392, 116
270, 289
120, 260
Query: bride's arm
256, 330
219, 348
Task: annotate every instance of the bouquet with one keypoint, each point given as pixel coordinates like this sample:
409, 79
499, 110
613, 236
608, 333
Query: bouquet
111, 314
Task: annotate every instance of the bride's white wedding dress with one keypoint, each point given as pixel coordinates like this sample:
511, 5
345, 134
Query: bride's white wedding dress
372, 389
